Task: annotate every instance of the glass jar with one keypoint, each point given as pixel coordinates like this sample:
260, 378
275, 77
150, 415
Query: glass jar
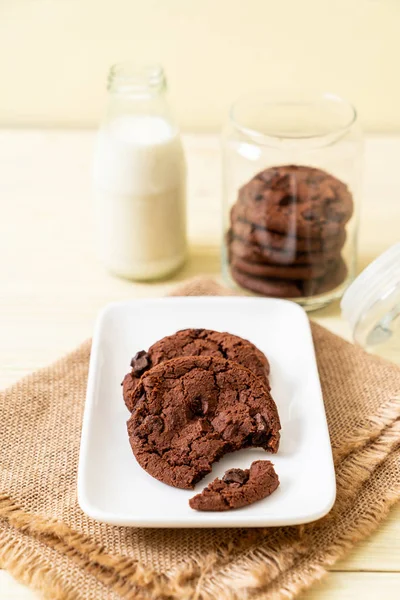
371, 305
291, 190
139, 178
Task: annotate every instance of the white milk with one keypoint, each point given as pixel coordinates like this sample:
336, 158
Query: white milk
139, 185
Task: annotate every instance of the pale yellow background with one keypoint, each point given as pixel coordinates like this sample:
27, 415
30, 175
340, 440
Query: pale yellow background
54, 54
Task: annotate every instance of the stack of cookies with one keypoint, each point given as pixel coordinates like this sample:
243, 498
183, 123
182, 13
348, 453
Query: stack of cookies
193, 397
287, 232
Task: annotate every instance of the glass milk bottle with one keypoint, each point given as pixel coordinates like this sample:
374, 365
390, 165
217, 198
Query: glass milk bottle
139, 178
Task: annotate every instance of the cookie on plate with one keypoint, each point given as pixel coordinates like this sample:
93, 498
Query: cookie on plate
189, 412
195, 342
238, 488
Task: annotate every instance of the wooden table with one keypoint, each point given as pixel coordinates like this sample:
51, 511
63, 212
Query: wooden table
52, 286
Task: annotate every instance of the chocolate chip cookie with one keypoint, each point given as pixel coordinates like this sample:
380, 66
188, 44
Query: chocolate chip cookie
195, 342
238, 488
189, 412
275, 288
288, 288
240, 248
297, 201
280, 271
258, 235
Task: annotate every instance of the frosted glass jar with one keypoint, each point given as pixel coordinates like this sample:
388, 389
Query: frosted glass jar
291, 193
371, 305
139, 178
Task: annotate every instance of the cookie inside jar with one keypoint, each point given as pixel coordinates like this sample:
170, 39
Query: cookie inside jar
287, 231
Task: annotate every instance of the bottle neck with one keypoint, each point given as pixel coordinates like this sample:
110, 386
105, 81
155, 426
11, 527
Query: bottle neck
129, 81
137, 92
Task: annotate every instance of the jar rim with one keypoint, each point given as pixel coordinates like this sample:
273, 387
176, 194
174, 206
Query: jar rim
270, 107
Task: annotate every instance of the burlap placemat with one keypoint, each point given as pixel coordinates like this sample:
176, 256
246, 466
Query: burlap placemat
48, 543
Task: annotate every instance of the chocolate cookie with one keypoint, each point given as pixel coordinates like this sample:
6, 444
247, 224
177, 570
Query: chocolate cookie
291, 244
189, 412
296, 200
195, 342
281, 288
259, 254
238, 488
333, 278
279, 271
275, 288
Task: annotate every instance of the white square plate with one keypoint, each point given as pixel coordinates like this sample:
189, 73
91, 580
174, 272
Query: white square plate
113, 488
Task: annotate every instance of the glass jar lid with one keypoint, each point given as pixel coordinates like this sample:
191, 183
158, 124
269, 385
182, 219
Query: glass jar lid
371, 304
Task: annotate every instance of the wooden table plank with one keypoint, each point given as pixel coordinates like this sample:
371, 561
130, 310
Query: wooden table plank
380, 552
349, 586
10, 589
336, 586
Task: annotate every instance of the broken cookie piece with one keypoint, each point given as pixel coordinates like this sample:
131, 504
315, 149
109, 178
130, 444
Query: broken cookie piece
238, 488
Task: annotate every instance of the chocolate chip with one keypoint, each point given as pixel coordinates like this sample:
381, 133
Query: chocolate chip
309, 215
261, 436
140, 363
199, 406
259, 197
282, 182
259, 439
262, 425
286, 200
230, 431
204, 406
154, 424
235, 476
205, 426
